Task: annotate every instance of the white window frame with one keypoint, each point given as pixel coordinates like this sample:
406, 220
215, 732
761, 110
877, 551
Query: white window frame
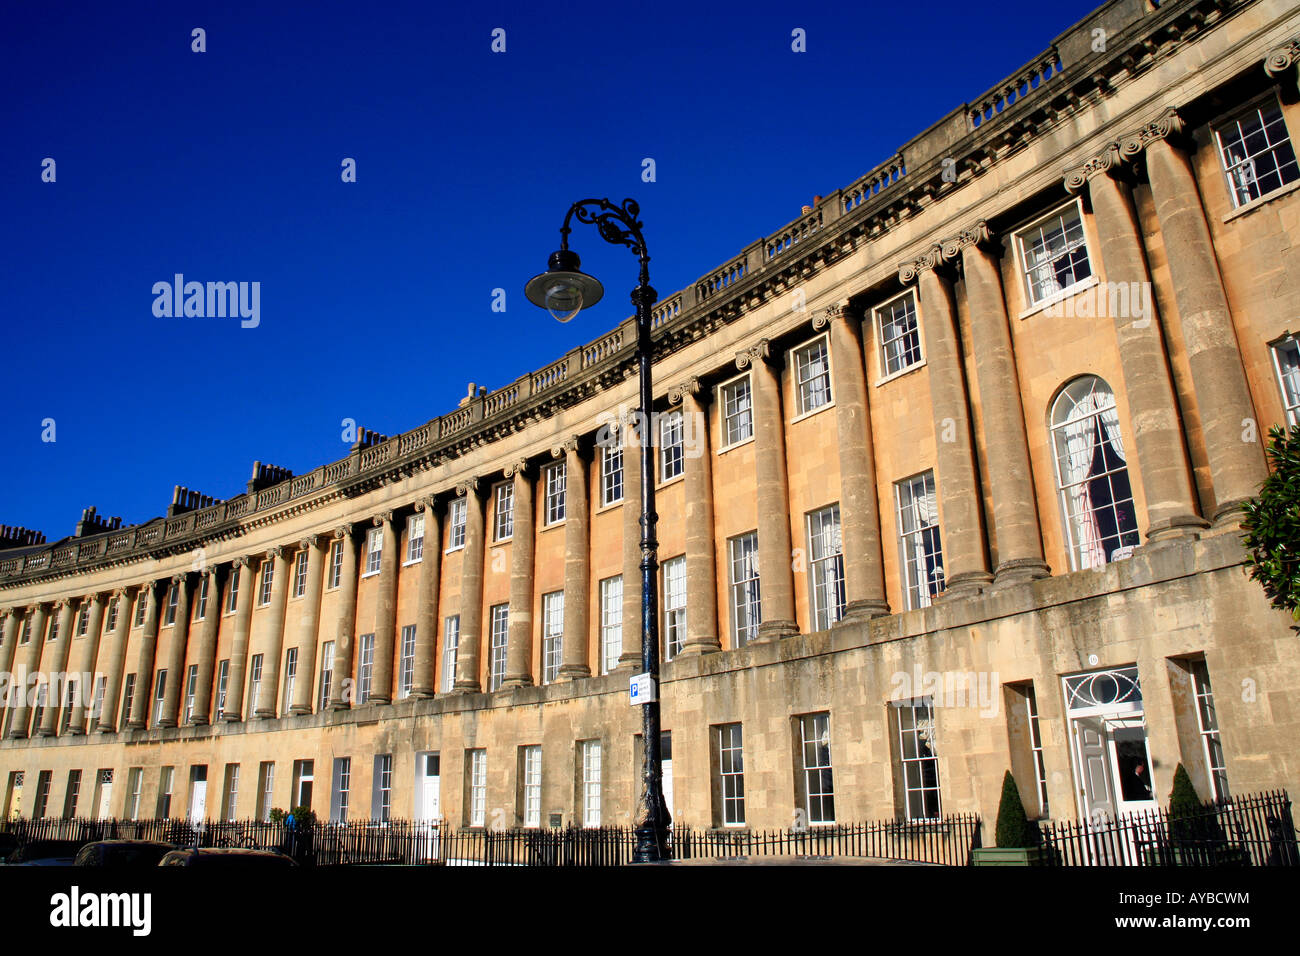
674, 601
731, 774
365, 666
173, 599
268, 582
134, 777
406, 663
532, 814
912, 355
825, 566
201, 606
477, 765
1247, 164
817, 768
918, 593
232, 791
300, 573
498, 644
290, 677
414, 539
611, 622
232, 596
374, 552
733, 437
746, 592
1211, 732
552, 635
326, 674
555, 503
342, 790
811, 385
159, 695
223, 679
141, 607
383, 788
909, 722
336, 565
457, 516
450, 651
591, 776
191, 687
1288, 376
254, 681
1032, 302
611, 474
503, 511
672, 444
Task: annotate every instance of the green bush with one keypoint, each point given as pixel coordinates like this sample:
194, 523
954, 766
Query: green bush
1272, 524
1014, 828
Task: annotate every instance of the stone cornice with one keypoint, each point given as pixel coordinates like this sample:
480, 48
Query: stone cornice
1116, 153
1047, 93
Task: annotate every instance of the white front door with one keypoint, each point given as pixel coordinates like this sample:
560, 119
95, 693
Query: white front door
105, 800
198, 801
1130, 765
430, 803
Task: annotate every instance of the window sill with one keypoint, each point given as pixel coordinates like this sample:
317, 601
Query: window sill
816, 411
550, 527
459, 547
610, 507
1262, 200
407, 564
671, 481
371, 574
1061, 296
899, 374
740, 444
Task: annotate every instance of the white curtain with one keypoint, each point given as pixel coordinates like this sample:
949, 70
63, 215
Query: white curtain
1080, 434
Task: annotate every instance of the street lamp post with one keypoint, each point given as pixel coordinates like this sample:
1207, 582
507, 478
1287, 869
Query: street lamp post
564, 291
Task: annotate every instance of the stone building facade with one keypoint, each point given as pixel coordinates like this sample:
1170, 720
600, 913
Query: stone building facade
950, 472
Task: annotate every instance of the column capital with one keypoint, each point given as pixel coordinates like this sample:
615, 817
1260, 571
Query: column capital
343, 531
309, 542
277, 551
212, 570
928, 261
1115, 154
678, 392
520, 467
384, 517
567, 445
62, 603
977, 235
1281, 59
761, 350
841, 311
463, 488
179, 578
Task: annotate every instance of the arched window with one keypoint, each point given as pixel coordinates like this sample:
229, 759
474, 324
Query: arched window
1092, 474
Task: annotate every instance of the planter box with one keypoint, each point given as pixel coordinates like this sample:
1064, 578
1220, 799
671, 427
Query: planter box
1009, 856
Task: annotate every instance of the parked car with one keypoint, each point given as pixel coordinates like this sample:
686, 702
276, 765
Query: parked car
123, 854
226, 857
45, 853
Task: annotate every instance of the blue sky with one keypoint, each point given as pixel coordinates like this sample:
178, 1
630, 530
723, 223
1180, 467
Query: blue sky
376, 296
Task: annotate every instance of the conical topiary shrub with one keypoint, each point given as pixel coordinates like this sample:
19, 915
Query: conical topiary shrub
1014, 828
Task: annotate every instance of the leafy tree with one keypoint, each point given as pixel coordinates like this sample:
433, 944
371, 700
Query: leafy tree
1272, 524
1014, 828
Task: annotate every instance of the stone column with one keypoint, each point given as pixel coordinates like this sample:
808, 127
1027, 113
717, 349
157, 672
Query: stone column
21, 711
176, 659
381, 684
701, 561
12, 624
309, 625
471, 593
1018, 542
965, 559
117, 660
577, 561
631, 430
1157, 427
86, 663
144, 680
266, 705
864, 569
208, 649
775, 568
341, 694
245, 573
1237, 466
426, 615
56, 696
523, 544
